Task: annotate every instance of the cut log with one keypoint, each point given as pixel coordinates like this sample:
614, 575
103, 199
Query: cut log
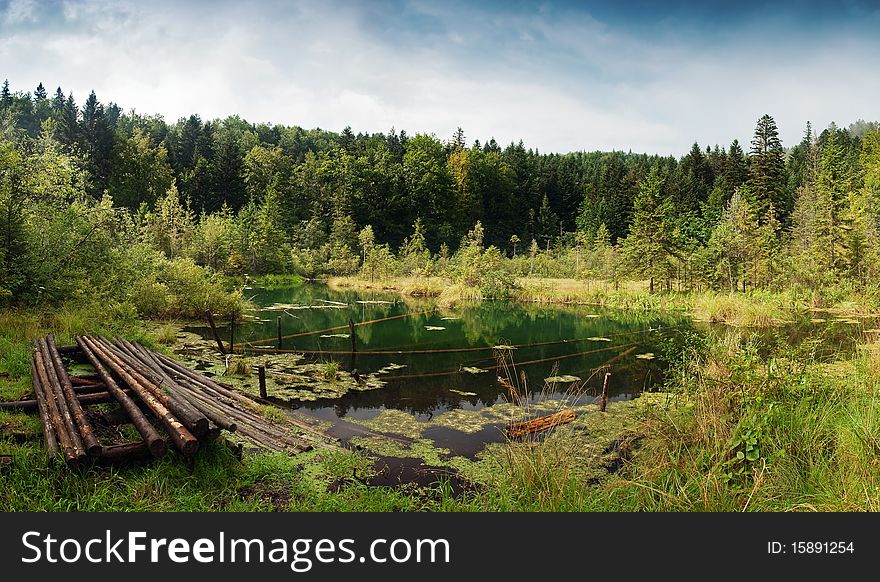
89, 441
149, 433
184, 440
518, 429
40, 404
64, 440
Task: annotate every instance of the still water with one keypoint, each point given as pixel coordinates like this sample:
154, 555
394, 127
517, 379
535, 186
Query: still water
446, 355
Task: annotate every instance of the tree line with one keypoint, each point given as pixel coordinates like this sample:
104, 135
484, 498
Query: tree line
240, 197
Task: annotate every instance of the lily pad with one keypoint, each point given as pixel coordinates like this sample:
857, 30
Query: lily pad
462, 392
564, 379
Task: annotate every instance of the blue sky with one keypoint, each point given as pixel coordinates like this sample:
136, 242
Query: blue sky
562, 76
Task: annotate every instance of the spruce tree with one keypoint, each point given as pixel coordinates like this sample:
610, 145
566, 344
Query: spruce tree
651, 245
767, 172
40, 93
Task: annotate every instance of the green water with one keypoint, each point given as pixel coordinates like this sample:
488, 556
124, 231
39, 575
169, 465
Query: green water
437, 345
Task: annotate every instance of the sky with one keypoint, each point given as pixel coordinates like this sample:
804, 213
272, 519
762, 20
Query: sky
562, 76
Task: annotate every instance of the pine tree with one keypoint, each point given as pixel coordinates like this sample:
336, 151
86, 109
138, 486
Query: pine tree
96, 140
68, 129
40, 93
651, 245
58, 101
736, 168
5, 94
767, 172
833, 187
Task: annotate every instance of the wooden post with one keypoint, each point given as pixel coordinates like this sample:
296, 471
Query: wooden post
604, 392
210, 317
354, 346
278, 326
232, 334
261, 372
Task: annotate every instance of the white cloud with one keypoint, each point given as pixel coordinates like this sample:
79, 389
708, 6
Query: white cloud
560, 81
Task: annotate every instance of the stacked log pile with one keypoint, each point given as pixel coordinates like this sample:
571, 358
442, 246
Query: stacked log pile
168, 404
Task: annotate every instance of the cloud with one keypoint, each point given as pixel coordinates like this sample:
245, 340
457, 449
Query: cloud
554, 75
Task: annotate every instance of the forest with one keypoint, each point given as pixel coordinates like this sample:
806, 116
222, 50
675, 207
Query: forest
95, 200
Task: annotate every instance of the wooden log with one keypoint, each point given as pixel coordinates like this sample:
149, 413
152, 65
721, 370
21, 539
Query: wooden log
64, 441
125, 452
204, 380
61, 402
84, 380
89, 441
189, 416
90, 388
604, 401
83, 399
40, 404
183, 439
210, 317
518, 429
151, 436
207, 406
261, 373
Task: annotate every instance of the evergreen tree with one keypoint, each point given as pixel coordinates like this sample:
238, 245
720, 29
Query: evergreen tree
735, 241
651, 245
40, 93
96, 142
767, 170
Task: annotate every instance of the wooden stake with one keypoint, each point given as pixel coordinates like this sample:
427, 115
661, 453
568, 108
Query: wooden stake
604, 392
354, 346
210, 317
261, 372
278, 326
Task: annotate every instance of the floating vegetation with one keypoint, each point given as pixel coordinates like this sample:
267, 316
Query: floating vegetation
599, 339
473, 370
646, 356
462, 392
375, 302
564, 379
434, 328
292, 307
333, 302
390, 368
340, 335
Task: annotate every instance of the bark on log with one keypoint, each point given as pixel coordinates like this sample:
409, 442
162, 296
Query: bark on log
61, 402
40, 404
125, 452
83, 399
61, 434
183, 439
149, 433
89, 441
194, 421
518, 429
